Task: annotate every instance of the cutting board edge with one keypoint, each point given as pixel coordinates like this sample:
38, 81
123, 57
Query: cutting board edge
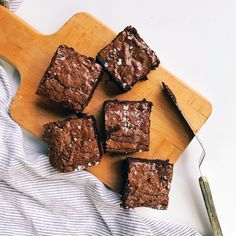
83, 14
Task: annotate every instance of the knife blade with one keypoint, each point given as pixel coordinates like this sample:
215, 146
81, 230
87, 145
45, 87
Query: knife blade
203, 181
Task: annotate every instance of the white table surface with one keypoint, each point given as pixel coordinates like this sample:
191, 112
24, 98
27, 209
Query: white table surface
196, 41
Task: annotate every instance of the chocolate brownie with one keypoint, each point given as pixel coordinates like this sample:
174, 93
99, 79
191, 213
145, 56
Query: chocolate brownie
73, 143
70, 79
128, 58
147, 183
127, 125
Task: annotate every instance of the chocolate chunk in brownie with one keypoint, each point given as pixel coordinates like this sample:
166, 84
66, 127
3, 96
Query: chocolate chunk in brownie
70, 79
128, 58
73, 143
147, 183
127, 125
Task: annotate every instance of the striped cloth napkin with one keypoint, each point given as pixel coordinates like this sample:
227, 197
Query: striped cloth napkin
37, 200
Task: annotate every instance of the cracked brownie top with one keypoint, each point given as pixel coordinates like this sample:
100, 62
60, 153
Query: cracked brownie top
128, 59
147, 183
73, 143
127, 125
70, 79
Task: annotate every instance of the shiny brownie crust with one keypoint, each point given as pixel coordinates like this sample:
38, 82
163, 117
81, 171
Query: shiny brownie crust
70, 79
127, 59
147, 183
73, 143
127, 126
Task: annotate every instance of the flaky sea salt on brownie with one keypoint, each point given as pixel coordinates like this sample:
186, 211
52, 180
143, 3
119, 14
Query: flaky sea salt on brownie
73, 143
147, 183
127, 125
70, 79
128, 58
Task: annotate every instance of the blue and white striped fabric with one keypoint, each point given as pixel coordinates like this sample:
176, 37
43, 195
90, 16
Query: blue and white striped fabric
37, 200
12, 4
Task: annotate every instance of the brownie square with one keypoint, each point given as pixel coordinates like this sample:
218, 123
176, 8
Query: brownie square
127, 59
127, 125
147, 183
70, 79
73, 143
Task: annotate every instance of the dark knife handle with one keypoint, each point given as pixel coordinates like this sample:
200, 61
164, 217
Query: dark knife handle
211, 211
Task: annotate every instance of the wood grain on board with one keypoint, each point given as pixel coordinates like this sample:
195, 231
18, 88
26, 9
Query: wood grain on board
30, 52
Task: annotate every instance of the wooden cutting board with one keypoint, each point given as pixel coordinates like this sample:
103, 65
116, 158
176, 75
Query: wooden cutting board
30, 52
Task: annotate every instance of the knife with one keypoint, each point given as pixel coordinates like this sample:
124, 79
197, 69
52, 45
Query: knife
203, 181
